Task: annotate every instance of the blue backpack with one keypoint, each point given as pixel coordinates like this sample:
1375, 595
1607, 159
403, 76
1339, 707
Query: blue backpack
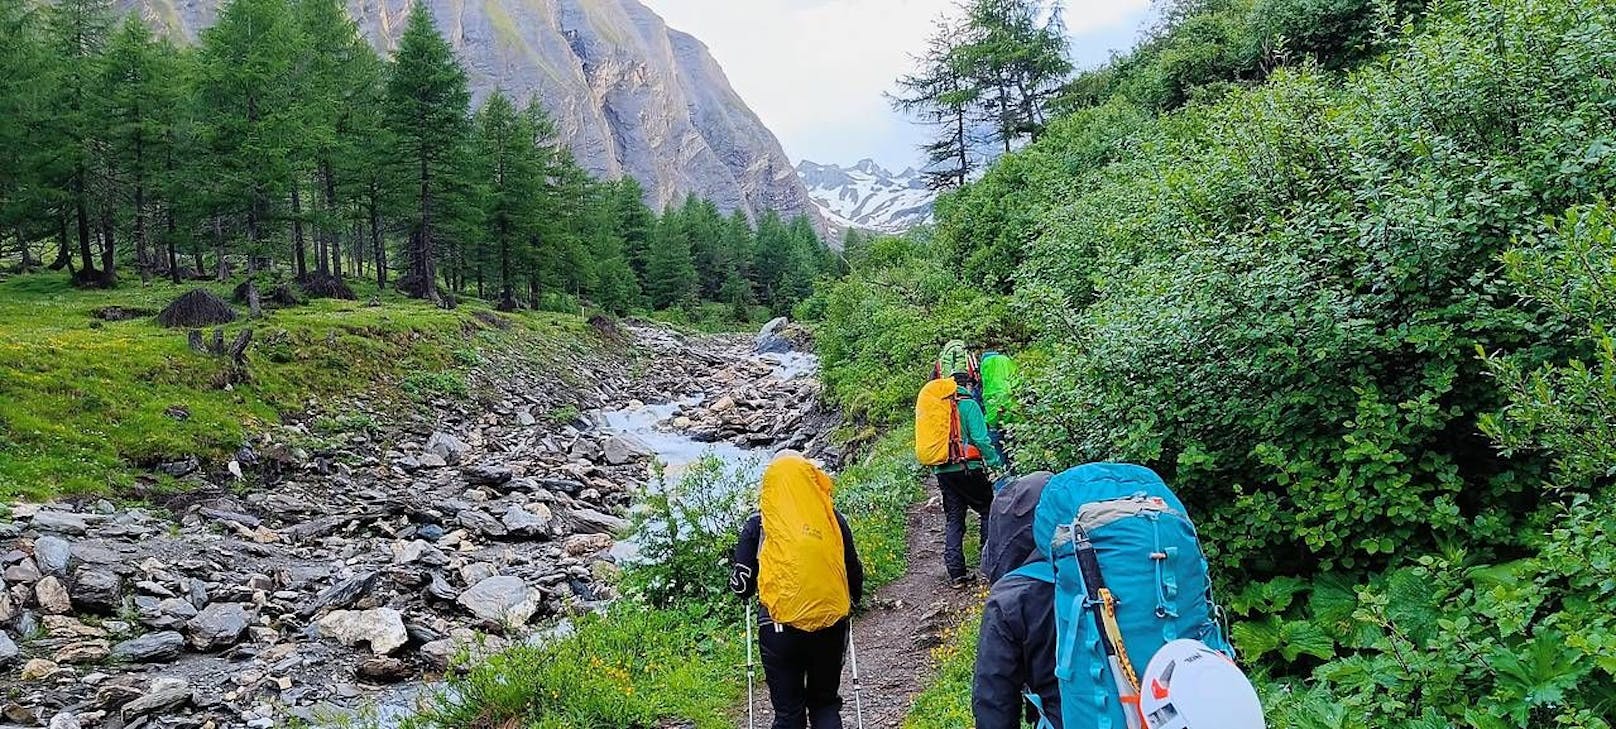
1125, 561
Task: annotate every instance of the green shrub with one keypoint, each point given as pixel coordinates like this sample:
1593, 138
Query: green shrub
686, 531
425, 385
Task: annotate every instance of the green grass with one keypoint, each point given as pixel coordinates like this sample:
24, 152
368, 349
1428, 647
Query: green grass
946, 701
875, 495
84, 404
630, 668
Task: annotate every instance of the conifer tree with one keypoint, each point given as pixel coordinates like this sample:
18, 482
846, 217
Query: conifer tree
635, 222
78, 31
24, 94
670, 272
512, 171
334, 81
249, 115
427, 105
139, 92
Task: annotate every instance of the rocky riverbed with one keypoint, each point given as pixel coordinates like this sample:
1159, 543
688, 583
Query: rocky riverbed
311, 576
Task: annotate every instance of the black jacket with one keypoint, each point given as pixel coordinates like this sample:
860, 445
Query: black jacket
1016, 651
1009, 539
744, 562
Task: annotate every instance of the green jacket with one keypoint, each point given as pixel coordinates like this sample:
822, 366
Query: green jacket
1000, 379
974, 429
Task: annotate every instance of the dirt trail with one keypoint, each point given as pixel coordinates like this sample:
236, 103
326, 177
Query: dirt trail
897, 631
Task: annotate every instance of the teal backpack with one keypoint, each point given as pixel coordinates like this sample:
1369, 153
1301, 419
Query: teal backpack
1123, 555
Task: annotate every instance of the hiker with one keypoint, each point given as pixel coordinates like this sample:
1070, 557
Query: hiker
1008, 542
951, 437
956, 358
797, 555
1000, 379
1119, 575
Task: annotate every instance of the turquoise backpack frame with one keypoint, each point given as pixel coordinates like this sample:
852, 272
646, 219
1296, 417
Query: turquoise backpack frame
1149, 558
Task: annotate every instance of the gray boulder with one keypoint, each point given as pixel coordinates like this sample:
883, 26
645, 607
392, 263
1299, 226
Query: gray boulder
503, 601
218, 626
151, 647
478, 520
8, 650
97, 590
769, 339
621, 449
533, 521
52, 555
447, 447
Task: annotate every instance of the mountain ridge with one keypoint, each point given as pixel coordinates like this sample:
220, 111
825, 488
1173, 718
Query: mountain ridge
628, 94
868, 196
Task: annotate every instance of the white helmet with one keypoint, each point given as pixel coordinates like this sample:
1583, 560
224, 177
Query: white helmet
1191, 686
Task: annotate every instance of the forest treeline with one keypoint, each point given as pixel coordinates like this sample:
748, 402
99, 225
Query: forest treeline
1342, 272
281, 142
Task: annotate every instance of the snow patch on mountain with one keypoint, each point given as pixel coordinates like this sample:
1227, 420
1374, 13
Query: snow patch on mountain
869, 197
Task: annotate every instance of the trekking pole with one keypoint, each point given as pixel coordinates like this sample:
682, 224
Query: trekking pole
751, 718
852, 652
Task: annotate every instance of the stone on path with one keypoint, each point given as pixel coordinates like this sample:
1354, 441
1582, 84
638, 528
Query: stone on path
165, 694
447, 447
590, 521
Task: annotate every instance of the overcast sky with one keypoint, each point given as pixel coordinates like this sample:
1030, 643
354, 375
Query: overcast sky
815, 70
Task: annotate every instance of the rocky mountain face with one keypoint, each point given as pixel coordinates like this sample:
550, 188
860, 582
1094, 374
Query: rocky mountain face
630, 95
869, 197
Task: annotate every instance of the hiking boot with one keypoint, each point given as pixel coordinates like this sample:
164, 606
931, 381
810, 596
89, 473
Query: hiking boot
961, 582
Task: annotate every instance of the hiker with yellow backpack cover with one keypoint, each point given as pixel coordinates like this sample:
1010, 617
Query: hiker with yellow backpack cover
797, 555
951, 438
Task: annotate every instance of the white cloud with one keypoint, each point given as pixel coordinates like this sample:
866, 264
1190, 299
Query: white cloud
815, 70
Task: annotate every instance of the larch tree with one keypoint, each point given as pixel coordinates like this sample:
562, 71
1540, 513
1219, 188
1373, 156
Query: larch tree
427, 105
78, 31
942, 95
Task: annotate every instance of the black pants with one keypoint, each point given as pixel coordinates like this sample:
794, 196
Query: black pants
962, 490
804, 672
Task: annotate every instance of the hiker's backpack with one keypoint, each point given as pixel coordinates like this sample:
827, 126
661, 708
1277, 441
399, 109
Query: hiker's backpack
1144, 547
1009, 541
939, 436
956, 357
1000, 377
802, 568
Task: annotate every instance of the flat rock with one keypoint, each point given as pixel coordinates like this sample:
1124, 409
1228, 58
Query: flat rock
580, 545
52, 554
151, 647
505, 601
590, 521
61, 522
622, 449
38, 669
383, 669
382, 629
479, 521
84, 651
8, 650
487, 474
52, 596
219, 625
343, 594
24, 572
165, 694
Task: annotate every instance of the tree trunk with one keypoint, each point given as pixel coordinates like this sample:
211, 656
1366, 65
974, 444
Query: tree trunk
357, 250
329, 247
377, 247
426, 263
28, 262
64, 252
299, 252
109, 249
81, 209
142, 256
218, 243
173, 244
254, 304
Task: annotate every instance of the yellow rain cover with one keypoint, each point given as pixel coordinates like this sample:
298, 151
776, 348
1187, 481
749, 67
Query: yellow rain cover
936, 424
802, 575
